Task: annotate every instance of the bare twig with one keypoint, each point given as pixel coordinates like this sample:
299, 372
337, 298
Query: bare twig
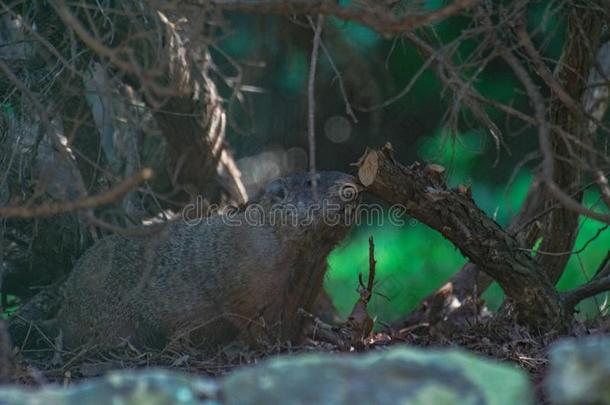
604, 266
90, 40
366, 291
372, 266
545, 143
311, 101
404, 91
577, 251
596, 286
544, 72
84, 203
348, 107
42, 112
376, 18
449, 74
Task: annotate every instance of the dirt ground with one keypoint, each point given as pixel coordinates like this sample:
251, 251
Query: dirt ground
500, 341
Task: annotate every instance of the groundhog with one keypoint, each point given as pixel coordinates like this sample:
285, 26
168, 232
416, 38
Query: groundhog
238, 275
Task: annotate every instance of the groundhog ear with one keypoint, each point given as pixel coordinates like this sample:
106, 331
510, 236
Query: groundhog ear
276, 189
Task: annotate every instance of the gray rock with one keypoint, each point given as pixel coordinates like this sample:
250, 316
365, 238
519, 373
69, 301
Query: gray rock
151, 387
400, 375
579, 371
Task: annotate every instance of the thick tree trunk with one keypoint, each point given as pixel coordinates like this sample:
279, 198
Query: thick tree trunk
192, 118
560, 226
171, 75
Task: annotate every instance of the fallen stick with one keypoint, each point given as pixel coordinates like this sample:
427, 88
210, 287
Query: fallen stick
423, 193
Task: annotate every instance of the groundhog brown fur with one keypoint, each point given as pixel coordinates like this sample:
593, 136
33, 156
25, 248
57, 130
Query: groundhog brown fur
227, 278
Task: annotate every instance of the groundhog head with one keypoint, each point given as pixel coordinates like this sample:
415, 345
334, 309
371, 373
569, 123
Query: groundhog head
294, 200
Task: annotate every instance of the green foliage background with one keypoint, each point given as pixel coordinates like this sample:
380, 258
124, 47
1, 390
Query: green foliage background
412, 260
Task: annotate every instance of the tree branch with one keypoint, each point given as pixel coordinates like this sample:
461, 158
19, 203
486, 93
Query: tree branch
311, 100
596, 286
376, 18
453, 213
545, 142
84, 203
